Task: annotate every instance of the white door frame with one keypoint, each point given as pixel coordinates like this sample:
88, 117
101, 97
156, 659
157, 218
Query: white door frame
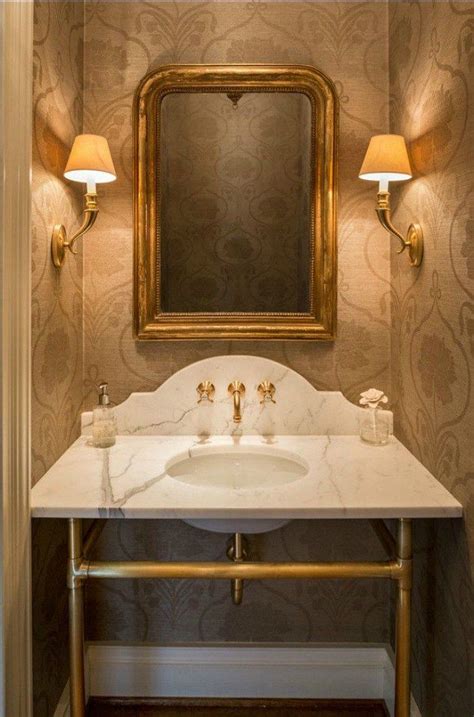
16, 63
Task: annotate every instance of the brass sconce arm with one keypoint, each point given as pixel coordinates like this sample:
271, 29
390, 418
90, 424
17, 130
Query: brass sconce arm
90, 215
384, 214
414, 239
59, 240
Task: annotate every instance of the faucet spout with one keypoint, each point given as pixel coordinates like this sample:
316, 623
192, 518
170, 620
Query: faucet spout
237, 411
237, 390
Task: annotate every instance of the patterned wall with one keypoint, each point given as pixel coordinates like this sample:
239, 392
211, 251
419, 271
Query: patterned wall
431, 93
123, 41
56, 321
57, 296
235, 202
348, 41
184, 611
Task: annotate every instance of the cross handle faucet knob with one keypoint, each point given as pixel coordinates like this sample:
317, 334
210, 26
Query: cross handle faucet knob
266, 390
206, 391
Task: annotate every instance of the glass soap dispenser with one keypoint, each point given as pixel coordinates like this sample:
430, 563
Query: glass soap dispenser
104, 427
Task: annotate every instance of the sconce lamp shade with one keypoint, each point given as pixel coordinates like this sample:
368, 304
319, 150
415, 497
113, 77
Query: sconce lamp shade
386, 159
90, 160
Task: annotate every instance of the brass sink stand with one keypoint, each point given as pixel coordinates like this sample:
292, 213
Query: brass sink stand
398, 568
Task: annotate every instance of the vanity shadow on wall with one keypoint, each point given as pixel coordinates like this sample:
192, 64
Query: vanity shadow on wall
235, 203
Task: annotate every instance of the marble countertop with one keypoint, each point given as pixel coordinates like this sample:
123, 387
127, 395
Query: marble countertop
346, 479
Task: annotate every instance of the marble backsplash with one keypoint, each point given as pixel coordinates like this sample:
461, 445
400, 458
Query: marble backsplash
173, 408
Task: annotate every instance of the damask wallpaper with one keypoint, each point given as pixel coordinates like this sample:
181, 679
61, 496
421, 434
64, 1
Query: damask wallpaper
57, 320
347, 41
411, 328
235, 186
431, 100
57, 296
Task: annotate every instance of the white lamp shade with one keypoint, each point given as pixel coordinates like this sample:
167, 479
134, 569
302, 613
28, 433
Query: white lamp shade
386, 159
90, 160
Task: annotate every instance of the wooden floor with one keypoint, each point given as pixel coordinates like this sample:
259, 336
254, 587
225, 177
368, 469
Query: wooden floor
107, 707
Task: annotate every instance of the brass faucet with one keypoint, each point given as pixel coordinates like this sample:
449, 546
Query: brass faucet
237, 390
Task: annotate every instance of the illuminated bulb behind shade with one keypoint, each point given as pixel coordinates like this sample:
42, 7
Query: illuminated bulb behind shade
383, 184
91, 185
90, 162
386, 160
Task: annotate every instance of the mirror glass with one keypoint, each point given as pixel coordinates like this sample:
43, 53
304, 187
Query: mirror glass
235, 186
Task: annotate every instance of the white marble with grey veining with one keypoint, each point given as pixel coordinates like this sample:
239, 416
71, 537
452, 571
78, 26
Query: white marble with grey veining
346, 478
173, 409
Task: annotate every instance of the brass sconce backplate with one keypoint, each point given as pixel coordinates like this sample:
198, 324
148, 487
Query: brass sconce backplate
58, 240
415, 242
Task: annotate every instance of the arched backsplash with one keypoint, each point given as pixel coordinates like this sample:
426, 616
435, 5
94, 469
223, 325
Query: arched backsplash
173, 408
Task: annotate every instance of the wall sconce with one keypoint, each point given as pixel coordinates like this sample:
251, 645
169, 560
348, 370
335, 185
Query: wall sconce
89, 162
386, 160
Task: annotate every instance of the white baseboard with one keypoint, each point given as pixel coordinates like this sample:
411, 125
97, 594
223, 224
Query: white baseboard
308, 671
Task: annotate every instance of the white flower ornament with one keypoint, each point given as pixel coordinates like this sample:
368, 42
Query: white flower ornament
372, 398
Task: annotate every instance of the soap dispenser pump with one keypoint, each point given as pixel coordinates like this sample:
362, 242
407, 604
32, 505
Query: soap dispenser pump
104, 427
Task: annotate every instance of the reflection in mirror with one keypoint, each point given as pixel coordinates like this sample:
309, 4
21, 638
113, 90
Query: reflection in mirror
235, 188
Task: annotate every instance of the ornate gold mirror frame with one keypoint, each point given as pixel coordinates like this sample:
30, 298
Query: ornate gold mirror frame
151, 322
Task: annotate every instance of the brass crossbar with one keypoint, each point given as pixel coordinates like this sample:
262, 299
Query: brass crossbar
398, 568
245, 571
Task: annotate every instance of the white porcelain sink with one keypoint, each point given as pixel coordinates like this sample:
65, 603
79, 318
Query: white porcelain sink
237, 468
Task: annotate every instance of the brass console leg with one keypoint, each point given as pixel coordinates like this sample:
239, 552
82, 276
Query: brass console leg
76, 622
403, 627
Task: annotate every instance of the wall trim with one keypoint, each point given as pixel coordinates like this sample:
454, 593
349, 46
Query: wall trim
16, 68
239, 670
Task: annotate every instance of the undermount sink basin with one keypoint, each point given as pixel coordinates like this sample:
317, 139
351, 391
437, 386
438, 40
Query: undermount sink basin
237, 468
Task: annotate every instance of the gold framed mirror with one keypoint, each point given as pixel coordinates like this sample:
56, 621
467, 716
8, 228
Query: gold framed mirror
235, 203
